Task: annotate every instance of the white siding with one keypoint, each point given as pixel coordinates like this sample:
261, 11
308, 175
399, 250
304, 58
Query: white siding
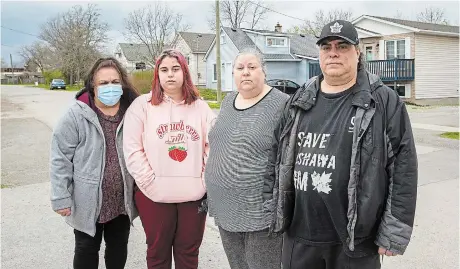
436, 66
381, 28
228, 52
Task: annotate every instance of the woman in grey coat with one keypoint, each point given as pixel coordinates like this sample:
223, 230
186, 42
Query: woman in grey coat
90, 185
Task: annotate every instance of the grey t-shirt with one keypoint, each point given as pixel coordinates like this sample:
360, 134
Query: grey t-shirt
239, 146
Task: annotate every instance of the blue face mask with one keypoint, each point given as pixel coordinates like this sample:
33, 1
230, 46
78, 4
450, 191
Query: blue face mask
109, 94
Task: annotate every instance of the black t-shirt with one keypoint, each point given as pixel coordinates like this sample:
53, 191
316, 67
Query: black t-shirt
322, 170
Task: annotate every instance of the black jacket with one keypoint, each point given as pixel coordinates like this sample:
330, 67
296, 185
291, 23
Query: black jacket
382, 188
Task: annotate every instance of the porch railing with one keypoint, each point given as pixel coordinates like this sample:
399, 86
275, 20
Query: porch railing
387, 70
393, 70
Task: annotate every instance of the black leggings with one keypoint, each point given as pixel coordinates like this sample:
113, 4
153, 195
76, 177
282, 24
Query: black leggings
116, 234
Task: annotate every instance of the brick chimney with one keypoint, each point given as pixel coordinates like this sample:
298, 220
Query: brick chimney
278, 28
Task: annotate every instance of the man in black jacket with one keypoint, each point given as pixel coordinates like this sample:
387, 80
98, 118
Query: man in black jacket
342, 178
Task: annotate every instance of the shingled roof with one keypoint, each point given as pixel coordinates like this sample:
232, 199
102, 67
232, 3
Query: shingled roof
239, 38
134, 52
304, 45
198, 44
422, 25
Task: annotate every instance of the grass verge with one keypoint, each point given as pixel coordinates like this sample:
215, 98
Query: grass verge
451, 135
214, 105
71, 88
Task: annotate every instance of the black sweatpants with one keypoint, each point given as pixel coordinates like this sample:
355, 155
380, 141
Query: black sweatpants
298, 255
116, 233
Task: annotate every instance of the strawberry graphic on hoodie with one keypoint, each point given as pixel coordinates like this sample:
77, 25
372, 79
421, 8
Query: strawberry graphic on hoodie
177, 153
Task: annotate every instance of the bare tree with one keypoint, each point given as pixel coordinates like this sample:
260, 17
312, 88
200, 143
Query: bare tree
432, 15
238, 14
399, 15
258, 14
321, 18
38, 54
77, 38
156, 27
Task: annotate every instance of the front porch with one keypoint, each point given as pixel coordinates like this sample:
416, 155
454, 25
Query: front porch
393, 70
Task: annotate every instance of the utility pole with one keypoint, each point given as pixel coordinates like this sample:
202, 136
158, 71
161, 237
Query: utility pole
197, 77
218, 64
12, 69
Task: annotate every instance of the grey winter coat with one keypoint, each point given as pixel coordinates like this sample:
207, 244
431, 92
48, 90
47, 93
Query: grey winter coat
382, 188
77, 164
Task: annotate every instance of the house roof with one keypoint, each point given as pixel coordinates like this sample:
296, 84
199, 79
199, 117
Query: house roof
278, 57
304, 45
203, 44
134, 52
421, 25
239, 38
363, 29
265, 32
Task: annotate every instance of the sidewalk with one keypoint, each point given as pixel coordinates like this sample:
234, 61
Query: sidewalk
433, 127
33, 236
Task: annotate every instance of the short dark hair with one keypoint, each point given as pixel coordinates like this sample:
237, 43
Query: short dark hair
129, 91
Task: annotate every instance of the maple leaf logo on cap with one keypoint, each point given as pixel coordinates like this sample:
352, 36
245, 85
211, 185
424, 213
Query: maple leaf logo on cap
336, 28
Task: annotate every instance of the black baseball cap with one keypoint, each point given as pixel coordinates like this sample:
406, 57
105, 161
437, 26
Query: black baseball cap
341, 29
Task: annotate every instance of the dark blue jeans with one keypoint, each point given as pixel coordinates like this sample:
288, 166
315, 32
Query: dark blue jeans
116, 234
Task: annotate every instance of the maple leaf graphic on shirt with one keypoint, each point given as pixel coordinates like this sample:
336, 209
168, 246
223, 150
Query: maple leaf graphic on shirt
321, 183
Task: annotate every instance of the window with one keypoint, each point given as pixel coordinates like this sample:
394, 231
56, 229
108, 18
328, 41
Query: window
276, 42
369, 56
222, 39
214, 76
188, 60
140, 65
400, 89
395, 49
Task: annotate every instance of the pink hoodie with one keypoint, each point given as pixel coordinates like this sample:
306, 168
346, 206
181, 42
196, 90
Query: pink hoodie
166, 148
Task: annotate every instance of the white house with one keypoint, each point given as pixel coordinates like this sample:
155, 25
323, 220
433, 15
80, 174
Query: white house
194, 47
419, 60
132, 56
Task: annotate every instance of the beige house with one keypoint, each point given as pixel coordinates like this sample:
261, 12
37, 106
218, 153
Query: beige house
194, 47
419, 60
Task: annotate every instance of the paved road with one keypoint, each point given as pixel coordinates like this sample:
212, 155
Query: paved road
35, 237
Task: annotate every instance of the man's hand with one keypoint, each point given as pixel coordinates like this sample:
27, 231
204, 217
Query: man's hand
64, 212
385, 252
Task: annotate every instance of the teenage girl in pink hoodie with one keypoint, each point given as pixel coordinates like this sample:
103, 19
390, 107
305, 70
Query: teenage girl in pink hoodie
166, 146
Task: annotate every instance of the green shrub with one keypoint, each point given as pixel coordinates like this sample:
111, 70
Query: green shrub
142, 80
52, 74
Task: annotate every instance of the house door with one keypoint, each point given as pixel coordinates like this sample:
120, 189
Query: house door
228, 77
223, 76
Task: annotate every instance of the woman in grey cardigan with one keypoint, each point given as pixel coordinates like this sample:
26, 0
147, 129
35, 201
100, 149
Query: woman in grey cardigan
90, 185
239, 145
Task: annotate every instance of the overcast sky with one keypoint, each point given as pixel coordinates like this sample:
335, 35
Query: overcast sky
28, 16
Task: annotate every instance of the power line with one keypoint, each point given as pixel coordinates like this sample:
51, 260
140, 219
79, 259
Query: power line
276, 11
14, 30
8, 46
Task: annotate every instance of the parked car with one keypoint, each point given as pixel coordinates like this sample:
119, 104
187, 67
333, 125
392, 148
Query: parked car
57, 84
284, 85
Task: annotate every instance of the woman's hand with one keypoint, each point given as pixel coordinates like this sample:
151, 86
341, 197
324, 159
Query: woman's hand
64, 212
